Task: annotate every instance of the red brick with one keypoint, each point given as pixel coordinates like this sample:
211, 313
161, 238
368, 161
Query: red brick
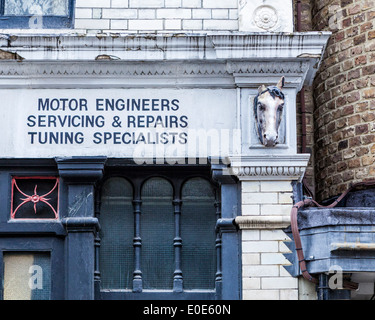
367, 160
355, 119
354, 163
368, 139
354, 142
354, 10
368, 70
344, 3
369, 93
360, 60
359, 18
361, 152
361, 129
366, 26
359, 39
354, 74
353, 96
347, 111
344, 93
371, 35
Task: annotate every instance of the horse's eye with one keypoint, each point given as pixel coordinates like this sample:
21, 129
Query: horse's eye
262, 107
280, 107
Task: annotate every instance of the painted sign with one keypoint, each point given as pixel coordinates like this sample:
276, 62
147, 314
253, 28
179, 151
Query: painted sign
148, 123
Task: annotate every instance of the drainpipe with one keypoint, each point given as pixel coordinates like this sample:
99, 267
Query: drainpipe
323, 288
302, 92
299, 10
302, 103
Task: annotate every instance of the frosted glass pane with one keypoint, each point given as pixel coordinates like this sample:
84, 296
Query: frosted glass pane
36, 7
157, 233
116, 234
27, 276
198, 220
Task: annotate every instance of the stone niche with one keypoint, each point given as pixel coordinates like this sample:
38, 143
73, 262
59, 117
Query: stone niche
265, 15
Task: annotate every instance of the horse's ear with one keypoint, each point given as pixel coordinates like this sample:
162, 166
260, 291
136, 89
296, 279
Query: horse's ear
281, 83
262, 88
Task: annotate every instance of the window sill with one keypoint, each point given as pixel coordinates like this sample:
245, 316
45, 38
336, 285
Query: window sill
118, 294
42, 31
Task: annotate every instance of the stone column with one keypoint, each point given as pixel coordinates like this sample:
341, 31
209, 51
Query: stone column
228, 276
80, 176
267, 199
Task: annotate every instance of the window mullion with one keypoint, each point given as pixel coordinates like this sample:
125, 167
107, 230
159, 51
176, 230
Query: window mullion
97, 245
219, 274
2, 6
137, 244
177, 242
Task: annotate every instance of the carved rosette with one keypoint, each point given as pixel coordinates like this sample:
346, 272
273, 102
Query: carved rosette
265, 17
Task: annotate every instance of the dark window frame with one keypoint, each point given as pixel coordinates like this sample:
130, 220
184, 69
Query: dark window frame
177, 176
49, 22
37, 244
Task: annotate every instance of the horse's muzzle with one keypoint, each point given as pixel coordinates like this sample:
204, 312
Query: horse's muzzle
270, 140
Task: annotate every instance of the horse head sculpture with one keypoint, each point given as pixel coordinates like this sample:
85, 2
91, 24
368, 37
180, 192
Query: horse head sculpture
268, 110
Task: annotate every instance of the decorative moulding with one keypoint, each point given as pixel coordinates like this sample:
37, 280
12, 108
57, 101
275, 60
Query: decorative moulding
269, 167
266, 15
223, 60
112, 74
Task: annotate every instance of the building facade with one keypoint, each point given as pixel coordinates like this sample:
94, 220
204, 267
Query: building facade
138, 159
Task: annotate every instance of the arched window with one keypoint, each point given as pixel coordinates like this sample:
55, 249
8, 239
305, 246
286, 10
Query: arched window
158, 237
116, 234
198, 234
157, 231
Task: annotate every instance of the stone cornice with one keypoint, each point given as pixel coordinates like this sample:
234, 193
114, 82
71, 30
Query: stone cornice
269, 167
82, 170
218, 60
134, 74
167, 46
161, 69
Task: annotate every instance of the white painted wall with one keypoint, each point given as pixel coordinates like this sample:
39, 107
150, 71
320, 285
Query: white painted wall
177, 16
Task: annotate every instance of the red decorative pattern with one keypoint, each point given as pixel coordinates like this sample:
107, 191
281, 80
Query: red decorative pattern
34, 198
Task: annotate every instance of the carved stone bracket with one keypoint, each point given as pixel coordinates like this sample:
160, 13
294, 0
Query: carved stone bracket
81, 170
81, 224
269, 167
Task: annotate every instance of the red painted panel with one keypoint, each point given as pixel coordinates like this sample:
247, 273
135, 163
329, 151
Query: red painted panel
35, 197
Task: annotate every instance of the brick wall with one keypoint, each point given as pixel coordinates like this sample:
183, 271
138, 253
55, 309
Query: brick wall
344, 96
139, 16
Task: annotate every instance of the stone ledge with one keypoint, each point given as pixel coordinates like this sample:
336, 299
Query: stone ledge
81, 170
183, 46
269, 167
